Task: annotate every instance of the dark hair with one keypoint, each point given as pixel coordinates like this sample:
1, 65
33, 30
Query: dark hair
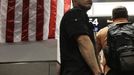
119, 12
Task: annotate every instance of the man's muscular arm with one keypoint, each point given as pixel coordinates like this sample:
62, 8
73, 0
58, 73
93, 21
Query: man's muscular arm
87, 50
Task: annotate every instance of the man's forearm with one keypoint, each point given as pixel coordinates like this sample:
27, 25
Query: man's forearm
88, 52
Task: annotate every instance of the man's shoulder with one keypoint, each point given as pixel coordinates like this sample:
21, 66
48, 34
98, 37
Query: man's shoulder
116, 26
74, 13
106, 28
103, 30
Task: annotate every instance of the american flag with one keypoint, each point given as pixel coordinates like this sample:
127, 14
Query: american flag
31, 20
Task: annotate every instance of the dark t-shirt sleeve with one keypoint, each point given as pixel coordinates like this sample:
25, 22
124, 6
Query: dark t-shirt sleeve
76, 24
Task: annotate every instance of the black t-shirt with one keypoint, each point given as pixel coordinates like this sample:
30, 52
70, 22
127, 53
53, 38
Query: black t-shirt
74, 23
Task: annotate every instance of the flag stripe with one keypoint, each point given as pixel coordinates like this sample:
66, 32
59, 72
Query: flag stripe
46, 19
10, 21
67, 5
32, 20
60, 13
3, 15
25, 20
40, 20
18, 21
52, 25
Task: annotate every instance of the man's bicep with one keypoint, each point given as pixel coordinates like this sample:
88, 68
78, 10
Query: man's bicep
84, 41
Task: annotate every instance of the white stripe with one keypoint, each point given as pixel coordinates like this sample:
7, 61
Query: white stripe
18, 21
46, 19
32, 20
3, 15
60, 12
71, 4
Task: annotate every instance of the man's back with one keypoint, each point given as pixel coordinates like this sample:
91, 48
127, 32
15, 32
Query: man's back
121, 47
101, 41
101, 38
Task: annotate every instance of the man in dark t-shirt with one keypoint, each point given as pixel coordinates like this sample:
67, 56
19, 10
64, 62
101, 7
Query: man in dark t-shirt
77, 41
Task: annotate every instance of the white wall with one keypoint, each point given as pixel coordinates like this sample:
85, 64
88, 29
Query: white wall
105, 8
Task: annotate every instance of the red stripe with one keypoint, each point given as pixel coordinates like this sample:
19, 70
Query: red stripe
40, 20
10, 21
52, 25
25, 20
67, 5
